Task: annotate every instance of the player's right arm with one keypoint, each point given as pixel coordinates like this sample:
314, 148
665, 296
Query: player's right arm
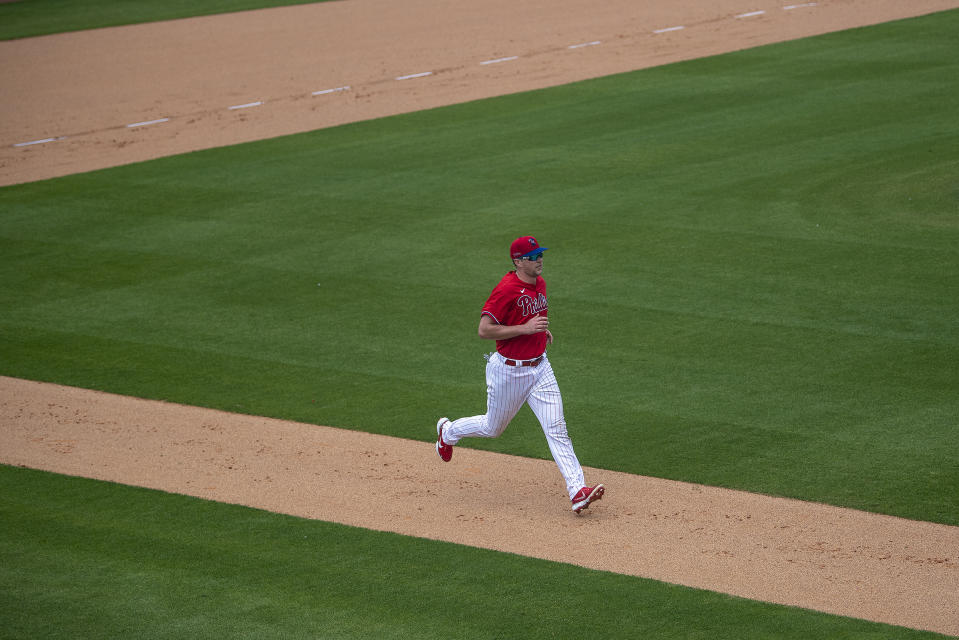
489, 329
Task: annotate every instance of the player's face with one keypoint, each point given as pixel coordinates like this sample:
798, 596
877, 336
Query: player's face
531, 267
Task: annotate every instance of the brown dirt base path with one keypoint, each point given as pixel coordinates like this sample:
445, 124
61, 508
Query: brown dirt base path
70, 99
809, 555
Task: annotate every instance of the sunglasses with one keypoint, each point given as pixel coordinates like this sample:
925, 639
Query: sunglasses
538, 256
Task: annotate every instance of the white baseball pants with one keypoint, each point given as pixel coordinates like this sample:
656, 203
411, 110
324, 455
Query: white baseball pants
507, 388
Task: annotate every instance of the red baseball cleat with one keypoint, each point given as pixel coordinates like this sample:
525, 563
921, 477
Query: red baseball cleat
445, 450
586, 495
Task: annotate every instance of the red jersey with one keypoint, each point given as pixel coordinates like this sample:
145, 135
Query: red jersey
513, 302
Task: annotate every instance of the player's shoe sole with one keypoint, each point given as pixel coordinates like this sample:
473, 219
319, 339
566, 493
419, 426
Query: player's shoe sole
444, 450
587, 496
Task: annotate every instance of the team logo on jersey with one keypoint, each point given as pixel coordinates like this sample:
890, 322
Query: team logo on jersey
530, 305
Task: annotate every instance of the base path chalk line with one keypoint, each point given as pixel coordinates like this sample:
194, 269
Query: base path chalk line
147, 123
498, 60
33, 142
411, 76
326, 91
415, 75
246, 106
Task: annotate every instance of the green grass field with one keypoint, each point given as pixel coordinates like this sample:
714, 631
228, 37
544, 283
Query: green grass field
752, 277
28, 18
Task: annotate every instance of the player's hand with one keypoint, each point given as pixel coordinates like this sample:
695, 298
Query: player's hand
549, 337
537, 324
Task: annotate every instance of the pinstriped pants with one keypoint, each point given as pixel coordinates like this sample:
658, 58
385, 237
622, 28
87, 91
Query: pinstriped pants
507, 388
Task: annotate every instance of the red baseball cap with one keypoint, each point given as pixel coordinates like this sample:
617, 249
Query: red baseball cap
525, 246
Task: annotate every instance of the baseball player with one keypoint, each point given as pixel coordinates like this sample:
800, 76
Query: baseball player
515, 315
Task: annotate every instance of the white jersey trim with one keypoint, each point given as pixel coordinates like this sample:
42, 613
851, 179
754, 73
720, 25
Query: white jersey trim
495, 319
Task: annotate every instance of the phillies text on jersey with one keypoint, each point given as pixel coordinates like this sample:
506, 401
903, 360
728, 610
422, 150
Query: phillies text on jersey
513, 302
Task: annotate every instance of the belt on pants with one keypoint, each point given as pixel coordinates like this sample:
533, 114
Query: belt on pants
523, 363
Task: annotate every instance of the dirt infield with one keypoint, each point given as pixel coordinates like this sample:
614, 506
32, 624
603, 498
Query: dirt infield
76, 94
307, 67
809, 555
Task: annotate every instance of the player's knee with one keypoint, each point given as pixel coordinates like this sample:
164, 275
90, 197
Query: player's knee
495, 426
557, 429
